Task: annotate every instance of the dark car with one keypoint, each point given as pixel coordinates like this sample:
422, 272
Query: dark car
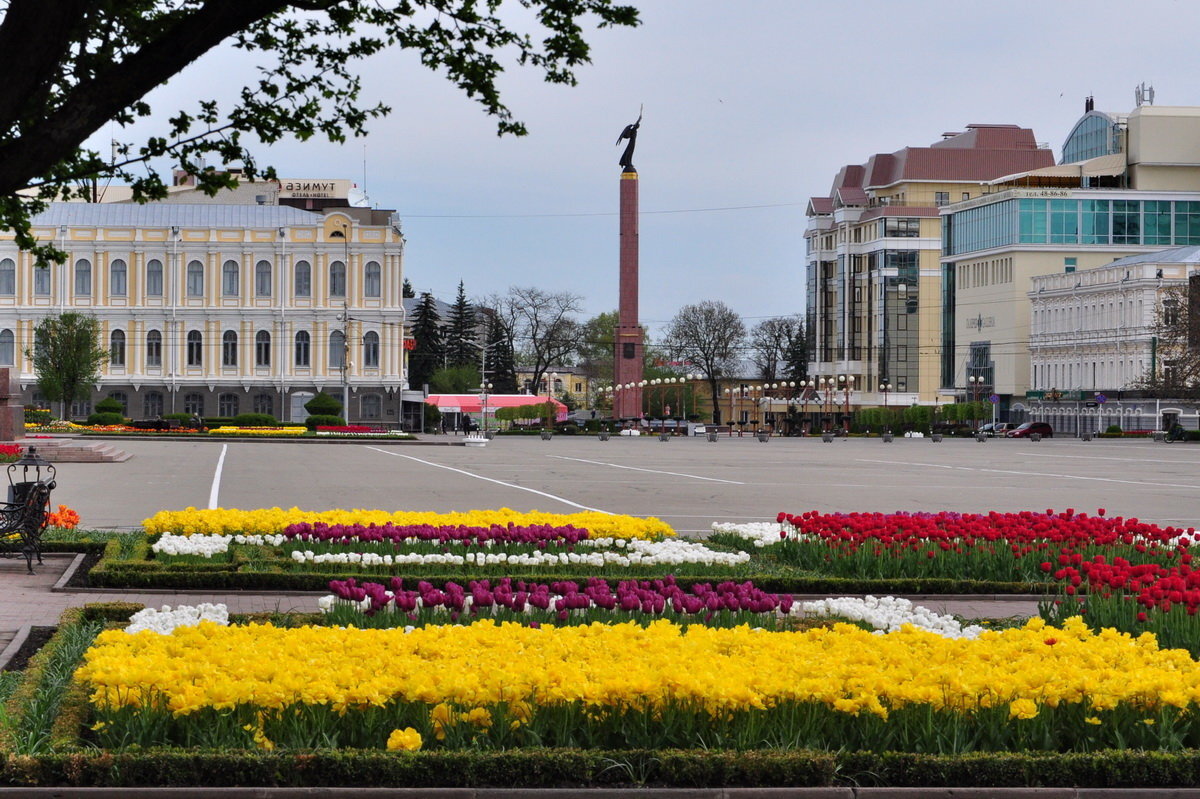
995, 429
1029, 428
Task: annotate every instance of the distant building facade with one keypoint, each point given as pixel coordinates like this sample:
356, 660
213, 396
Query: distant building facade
217, 310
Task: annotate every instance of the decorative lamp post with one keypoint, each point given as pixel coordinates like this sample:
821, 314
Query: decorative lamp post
975, 384
484, 388
847, 387
885, 388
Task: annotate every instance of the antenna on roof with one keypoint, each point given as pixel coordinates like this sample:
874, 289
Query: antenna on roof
1143, 94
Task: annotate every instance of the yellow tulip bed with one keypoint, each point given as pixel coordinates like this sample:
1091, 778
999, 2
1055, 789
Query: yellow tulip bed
267, 521
489, 685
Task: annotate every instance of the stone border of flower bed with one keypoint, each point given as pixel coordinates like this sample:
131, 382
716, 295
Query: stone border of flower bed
78, 766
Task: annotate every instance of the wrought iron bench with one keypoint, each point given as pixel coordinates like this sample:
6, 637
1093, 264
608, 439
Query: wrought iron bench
22, 523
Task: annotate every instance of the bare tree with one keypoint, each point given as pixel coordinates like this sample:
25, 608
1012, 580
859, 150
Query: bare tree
772, 342
540, 325
708, 334
1176, 371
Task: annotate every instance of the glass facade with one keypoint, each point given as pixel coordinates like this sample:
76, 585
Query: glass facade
1162, 223
1094, 136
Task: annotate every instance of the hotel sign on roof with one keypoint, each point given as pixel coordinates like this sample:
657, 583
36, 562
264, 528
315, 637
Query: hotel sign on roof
315, 189
1010, 194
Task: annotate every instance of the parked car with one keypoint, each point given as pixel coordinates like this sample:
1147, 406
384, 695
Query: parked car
995, 428
1029, 428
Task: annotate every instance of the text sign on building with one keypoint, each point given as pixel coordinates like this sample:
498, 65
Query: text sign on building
314, 189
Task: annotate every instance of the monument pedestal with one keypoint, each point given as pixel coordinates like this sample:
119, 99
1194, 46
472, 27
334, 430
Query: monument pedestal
12, 412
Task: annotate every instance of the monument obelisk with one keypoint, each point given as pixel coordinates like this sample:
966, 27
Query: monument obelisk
629, 340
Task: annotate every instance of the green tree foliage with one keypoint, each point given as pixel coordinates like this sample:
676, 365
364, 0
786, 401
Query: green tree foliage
86, 64
324, 405
500, 360
596, 346
407, 290
426, 358
460, 331
454, 380
67, 356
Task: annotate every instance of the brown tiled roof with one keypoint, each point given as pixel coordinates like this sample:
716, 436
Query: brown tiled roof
852, 195
849, 175
820, 205
990, 137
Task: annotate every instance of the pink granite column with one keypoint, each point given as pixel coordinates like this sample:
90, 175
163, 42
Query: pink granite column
627, 359
12, 412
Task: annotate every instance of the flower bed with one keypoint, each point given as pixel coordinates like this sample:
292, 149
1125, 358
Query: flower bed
627, 685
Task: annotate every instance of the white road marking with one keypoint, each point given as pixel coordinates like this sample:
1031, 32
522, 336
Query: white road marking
1037, 474
216, 483
1102, 458
491, 480
655, 471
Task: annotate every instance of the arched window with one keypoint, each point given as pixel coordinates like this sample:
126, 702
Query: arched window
83, 278
154, 348
195, 279
116, 348
264, 403
262, 348
262, 279
372, 406
372, 283
303, 281
81, 408
152, 404
193, 403
337, 349
154, 278
121, 397
8, 277
117, 272
229, 342
337, 279
227, 405
371, 349
195, 348
8, 350
41, 281
303, 349
229, 279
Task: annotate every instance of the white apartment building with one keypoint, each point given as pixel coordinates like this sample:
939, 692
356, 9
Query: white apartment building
217, 309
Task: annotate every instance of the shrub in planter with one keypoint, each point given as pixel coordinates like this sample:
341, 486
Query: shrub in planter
1113, 428
324, 420
182, 418
255, 420
324, 405
109, 405
217, 421
106, 418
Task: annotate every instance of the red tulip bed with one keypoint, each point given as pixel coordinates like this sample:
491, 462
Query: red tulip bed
1115, 572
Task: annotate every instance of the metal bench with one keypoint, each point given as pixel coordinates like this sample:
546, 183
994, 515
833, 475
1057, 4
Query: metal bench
22, 522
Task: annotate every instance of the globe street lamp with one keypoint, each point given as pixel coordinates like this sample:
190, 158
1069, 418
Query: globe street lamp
886, 387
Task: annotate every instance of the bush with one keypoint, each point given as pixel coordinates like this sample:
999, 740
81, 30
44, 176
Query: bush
182, 418
38, 416
1113, 428
106, 418
569, 429
109, 405
324, 405
217, 421
323, 420
255, 420
432, 418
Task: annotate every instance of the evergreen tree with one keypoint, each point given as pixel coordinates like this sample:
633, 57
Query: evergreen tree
407, 290
460, 332
500, 361
426, 358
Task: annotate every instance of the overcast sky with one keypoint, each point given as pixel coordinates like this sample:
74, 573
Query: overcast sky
751, 106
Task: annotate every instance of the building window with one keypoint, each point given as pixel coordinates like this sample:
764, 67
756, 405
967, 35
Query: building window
229, 279
264, 403
229, 344
337, 349
371, 406
372, 283
81, 408
8, 350
195, 348
195, 279
262, 279
154, 278
8, 277
303, 350
337, 279
262, 348
41, 281
227, 405
117, 272
83, 278
194, 404
941, 198
371, 349
154, 348
895, 227
152, 404
121, 397
116, 348
303, 279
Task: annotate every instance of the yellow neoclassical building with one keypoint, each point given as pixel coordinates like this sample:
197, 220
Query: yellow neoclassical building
218, 310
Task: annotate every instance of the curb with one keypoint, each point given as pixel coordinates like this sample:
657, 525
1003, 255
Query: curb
66, 576
14, 645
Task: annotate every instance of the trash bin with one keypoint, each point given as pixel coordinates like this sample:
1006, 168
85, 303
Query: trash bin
604, 435
547, 435
936, 438
887, 438
827, 438
1035, 436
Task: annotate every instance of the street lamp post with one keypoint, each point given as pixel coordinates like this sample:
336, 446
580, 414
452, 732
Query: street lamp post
885, 388
847, 387
975, 384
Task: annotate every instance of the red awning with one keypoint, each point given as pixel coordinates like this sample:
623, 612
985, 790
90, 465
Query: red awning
471, 403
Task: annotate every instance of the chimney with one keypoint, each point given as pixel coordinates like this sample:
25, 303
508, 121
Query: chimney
1089, 104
